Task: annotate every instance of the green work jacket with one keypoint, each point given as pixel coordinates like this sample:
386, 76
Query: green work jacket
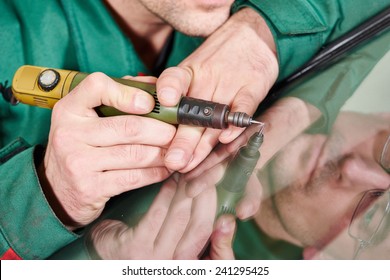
82, 35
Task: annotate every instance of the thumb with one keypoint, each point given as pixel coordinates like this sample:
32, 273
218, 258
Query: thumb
98, 89
222, 238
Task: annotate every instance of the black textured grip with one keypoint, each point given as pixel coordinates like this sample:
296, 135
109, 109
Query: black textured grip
202, 113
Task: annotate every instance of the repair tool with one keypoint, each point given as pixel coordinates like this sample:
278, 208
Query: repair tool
43, 87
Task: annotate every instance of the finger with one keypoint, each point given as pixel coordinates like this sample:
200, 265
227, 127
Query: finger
174, 224
115, 182
126, 157
205, 145
150, 225
182, 147
98, 89
172, 84
118, 130
208, 180
245, 101
103, 240
218, 155
222, 238
250, 202
200, 226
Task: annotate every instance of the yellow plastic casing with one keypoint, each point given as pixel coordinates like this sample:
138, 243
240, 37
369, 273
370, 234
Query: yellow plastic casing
26, 89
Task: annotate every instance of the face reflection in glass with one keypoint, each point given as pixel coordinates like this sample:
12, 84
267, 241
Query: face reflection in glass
318, 180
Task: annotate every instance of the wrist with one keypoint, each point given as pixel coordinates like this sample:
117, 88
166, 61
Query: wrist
249, 18
51, 198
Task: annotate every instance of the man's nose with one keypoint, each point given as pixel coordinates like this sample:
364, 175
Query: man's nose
360, 171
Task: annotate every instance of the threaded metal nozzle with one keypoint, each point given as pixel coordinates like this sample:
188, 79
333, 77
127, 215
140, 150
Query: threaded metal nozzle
239, 119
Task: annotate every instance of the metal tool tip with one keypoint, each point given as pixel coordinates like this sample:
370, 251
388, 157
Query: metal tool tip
261, 127
256, 122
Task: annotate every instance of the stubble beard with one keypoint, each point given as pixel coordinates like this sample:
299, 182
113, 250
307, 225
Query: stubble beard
196, 24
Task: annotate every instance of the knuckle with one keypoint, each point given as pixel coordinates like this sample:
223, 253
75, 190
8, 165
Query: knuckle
108, 124
130, 128
184, 141
59, 136
74, 164
182, 217
246, 99
132, 178
94, 82
121, 126
159, 173
58, 111
135, 153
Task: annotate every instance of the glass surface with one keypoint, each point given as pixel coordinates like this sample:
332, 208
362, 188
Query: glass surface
327, 191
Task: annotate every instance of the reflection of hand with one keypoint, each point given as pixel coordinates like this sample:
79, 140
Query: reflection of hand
90, 159
210, 172
175, 227
236, 65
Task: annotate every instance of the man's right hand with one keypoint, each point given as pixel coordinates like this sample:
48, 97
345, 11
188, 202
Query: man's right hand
90, 159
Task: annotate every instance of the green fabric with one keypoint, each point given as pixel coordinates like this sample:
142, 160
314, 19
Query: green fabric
82, 35
252, 244
26, 218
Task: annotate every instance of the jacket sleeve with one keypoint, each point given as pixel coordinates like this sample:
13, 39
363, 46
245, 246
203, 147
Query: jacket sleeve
302, 27
28, 227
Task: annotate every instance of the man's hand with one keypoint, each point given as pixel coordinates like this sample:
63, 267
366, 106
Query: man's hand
175, 227
90, 159
236, 65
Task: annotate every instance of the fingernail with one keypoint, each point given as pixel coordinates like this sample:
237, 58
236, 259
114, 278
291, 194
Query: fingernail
227, 226
143, 103
169, 95
175, 155
226, 133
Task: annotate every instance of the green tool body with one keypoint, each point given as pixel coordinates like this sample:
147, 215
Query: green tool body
232, 186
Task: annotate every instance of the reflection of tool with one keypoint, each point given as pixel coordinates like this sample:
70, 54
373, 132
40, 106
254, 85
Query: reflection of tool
232, 186
43, 87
